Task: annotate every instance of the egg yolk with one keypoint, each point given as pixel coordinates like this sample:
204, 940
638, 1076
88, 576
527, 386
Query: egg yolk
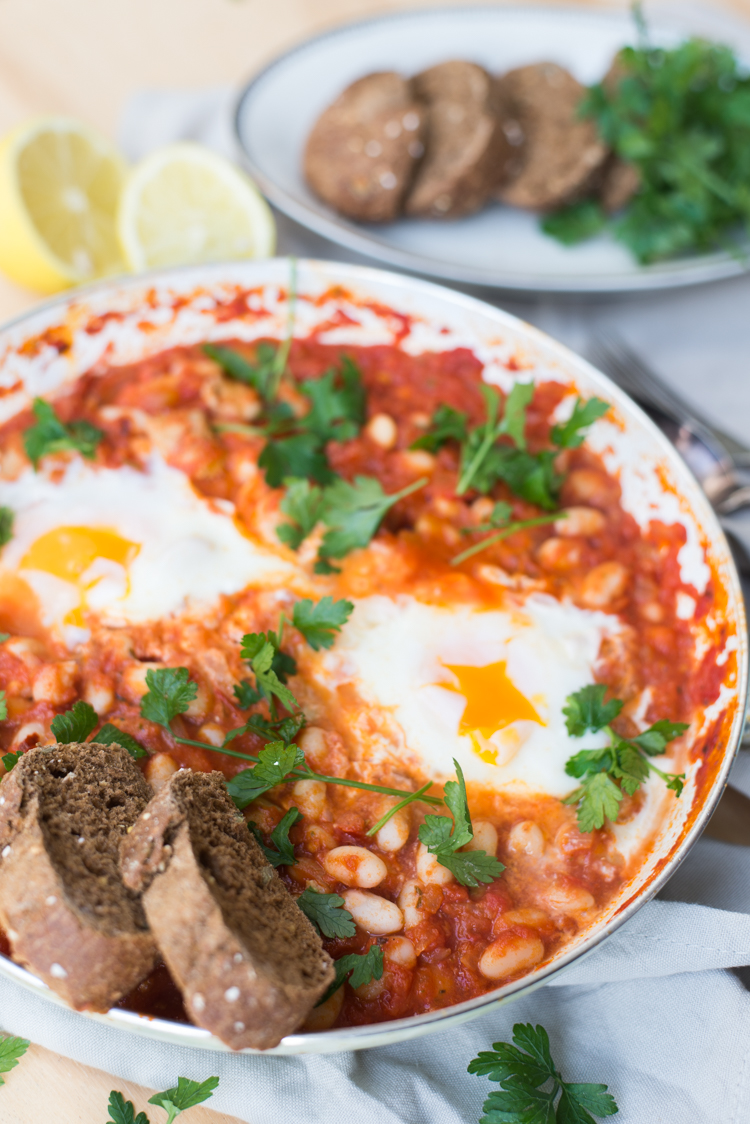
68, 552
492, 703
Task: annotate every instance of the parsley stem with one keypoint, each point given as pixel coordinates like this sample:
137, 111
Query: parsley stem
407, 491
503, 534
282, 352
243, 430
491, 433
413, 797
307, 774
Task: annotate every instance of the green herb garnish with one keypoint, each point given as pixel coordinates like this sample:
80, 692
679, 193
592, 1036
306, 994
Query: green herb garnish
327, 913
443, 838
281, 853
358, 968
619, 767
113, 735
353, 513
7, 515
11, 1049
50, 435
319, 622
503, 526
186, 1094
76, 724
531, 1083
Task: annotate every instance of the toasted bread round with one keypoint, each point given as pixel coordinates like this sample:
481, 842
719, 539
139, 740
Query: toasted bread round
466, 148
249, 963
64, 810
557, 154
362, 151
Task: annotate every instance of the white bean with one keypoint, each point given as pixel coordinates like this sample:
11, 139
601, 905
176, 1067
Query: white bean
159, 769
419, 460
324, 1016
212, 733
310, 797
409, 901
381, 428
526, 839
312, 742
201, 704
27, 730
485, 838
582, 521
401, 951
372, 913
99, 694
510, 954
568, 899
55, 683
604, 584
394, 834
429, 869
355, 866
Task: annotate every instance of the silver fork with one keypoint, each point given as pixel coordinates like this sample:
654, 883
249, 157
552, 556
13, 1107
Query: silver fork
713, 455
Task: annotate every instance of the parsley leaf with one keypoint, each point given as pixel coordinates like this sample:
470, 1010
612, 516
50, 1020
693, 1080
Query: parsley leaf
303, 503
514, 414
318, 622
337, 408
327, 913
282, 852
11, 1049
113, 735
186, 1094
299, 455
50, 435
617, 768
9, 760
571, 434
575, 223
275, 762
523, 1069
359, 968
271, 666
76, 724
3, 707
7, 515
587, 710
170, 692
261, 376
246, 695
353, 512
447, 425
123, 1112
443, 838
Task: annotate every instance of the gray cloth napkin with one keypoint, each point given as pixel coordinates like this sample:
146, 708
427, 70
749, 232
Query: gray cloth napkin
654, 1012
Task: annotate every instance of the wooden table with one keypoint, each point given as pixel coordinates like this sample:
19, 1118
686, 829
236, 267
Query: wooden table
84, 58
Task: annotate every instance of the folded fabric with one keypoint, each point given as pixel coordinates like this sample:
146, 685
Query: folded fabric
647, 1012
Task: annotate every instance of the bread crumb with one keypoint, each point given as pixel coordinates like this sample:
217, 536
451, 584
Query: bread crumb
6, 851
199, 1003
50, 900
238, 958
239, 1027
232, 994
58, 972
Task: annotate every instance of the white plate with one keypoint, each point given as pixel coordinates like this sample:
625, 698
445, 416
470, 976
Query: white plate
122, 321
500, 247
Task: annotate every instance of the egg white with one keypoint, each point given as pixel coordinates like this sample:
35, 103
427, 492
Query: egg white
190, 549
394, 651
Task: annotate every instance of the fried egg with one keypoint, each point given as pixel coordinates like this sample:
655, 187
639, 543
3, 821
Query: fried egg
127, 545
484, 687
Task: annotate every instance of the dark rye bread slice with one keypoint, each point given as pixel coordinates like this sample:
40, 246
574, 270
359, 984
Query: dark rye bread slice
249, 963
466, 147
362, 151
64, 810
558, 154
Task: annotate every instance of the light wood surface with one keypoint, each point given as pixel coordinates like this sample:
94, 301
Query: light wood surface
84, 58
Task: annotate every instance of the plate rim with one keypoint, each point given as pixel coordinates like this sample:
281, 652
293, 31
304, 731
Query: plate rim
682, 273
379, 1034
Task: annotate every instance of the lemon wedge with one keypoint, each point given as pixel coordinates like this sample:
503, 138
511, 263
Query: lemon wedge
185, 205
59, 186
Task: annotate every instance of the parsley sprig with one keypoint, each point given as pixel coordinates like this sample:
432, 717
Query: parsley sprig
75, 725
443, 838
11, 1049
617, 768
50, 435
496, 450
7, 516
281, 853
327, 913
681, 119
358, 967
503, 526
531, 1083
185, 1094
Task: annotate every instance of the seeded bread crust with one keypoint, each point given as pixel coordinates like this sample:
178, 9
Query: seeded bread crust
249, 963
466, 147
557, 154
64, 810
361, 154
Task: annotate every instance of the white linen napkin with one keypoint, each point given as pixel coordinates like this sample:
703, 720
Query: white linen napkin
649, 1013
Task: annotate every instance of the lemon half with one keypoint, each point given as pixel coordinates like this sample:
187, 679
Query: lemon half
59, 187
186, 205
